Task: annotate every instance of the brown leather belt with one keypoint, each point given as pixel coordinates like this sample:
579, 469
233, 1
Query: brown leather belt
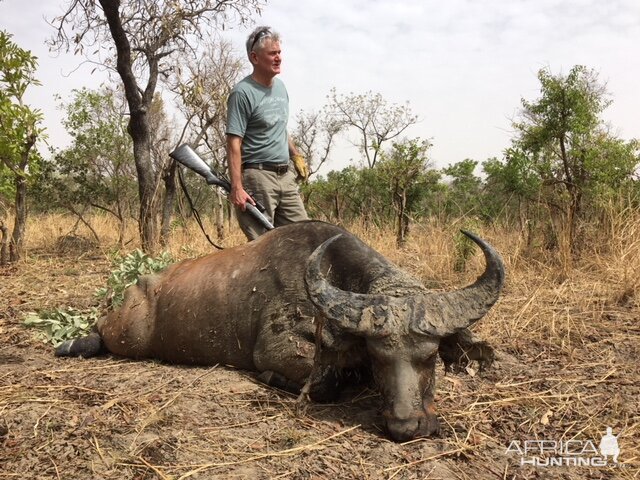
279, 168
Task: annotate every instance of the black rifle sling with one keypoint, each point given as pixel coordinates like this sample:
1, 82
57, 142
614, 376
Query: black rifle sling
196, 215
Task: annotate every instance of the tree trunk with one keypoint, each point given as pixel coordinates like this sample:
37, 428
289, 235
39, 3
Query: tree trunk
169, 200
148, 218
4, 245
402, 217
122, 224
336, 208
139, 102
574, 197
576, 213
16, 247
218, 212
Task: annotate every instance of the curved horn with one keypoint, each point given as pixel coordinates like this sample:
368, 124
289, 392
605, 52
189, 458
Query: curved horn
353, 312
453, 311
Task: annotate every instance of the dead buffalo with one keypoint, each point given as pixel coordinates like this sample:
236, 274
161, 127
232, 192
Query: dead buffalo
255, 307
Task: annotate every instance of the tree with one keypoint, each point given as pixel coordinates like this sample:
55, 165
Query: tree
19, 131
97, 170
511, 190
405, 168
203, 86
400, 188
464, 192
371, 115
349, 194
563, 139
314, 135
139, 39
162, 140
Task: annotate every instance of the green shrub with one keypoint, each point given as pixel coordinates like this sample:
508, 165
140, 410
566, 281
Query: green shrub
62, 324
464, 246
128, 269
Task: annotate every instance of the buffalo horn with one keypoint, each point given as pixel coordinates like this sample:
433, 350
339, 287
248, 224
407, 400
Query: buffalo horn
453, 311
352, 312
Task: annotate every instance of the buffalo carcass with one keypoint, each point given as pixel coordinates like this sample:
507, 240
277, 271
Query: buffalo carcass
254, 306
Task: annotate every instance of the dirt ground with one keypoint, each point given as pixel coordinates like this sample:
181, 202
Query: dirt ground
112, 418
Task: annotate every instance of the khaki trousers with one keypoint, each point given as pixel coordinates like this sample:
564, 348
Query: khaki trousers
278, 193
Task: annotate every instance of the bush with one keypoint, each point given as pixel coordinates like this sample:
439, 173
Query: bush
62, 324
128, 270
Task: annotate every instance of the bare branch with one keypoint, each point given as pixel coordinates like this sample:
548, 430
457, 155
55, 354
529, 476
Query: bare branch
376, 120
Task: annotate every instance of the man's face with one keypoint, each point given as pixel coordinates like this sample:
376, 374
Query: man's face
266, 60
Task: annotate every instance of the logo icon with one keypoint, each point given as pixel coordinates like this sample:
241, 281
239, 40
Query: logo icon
609, 446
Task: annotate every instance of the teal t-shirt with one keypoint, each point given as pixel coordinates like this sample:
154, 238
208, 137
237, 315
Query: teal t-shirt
259, 115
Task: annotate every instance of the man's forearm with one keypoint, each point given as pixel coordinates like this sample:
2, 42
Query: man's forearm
293, 150
238, 196
234, 159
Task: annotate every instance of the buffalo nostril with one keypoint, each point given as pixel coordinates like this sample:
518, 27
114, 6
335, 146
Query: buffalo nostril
403, 430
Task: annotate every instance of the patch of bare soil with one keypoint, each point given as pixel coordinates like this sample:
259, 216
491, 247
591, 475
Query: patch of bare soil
111, 418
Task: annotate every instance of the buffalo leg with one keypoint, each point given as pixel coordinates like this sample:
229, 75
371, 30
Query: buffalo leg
286, 360
326, 387
276, 380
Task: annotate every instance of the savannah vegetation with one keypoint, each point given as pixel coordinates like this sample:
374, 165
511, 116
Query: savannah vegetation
79, 222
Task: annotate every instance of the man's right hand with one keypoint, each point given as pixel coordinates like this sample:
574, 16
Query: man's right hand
239, 197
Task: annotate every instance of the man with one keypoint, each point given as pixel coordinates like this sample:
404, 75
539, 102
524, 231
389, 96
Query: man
258, 145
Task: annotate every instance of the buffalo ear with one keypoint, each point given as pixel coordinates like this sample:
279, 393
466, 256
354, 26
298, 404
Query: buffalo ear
357, 313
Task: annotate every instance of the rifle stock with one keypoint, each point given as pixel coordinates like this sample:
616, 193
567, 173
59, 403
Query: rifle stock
186, 156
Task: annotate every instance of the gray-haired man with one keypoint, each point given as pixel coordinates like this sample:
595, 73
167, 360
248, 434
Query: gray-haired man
258, 145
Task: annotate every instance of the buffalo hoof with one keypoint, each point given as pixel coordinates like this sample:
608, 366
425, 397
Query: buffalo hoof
86, 347
274, 379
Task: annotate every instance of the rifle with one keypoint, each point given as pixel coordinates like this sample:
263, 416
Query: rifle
185, 155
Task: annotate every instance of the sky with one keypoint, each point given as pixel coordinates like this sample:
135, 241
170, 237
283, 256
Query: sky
462, 65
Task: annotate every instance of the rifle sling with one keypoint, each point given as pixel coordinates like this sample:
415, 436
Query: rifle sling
196, 215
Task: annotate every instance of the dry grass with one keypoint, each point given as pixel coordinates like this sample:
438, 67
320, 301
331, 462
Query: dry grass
567, 346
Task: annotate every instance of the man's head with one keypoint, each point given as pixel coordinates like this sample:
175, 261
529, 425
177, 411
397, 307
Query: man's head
263, 50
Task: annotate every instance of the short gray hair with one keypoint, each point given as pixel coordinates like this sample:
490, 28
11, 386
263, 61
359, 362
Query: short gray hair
257, 38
